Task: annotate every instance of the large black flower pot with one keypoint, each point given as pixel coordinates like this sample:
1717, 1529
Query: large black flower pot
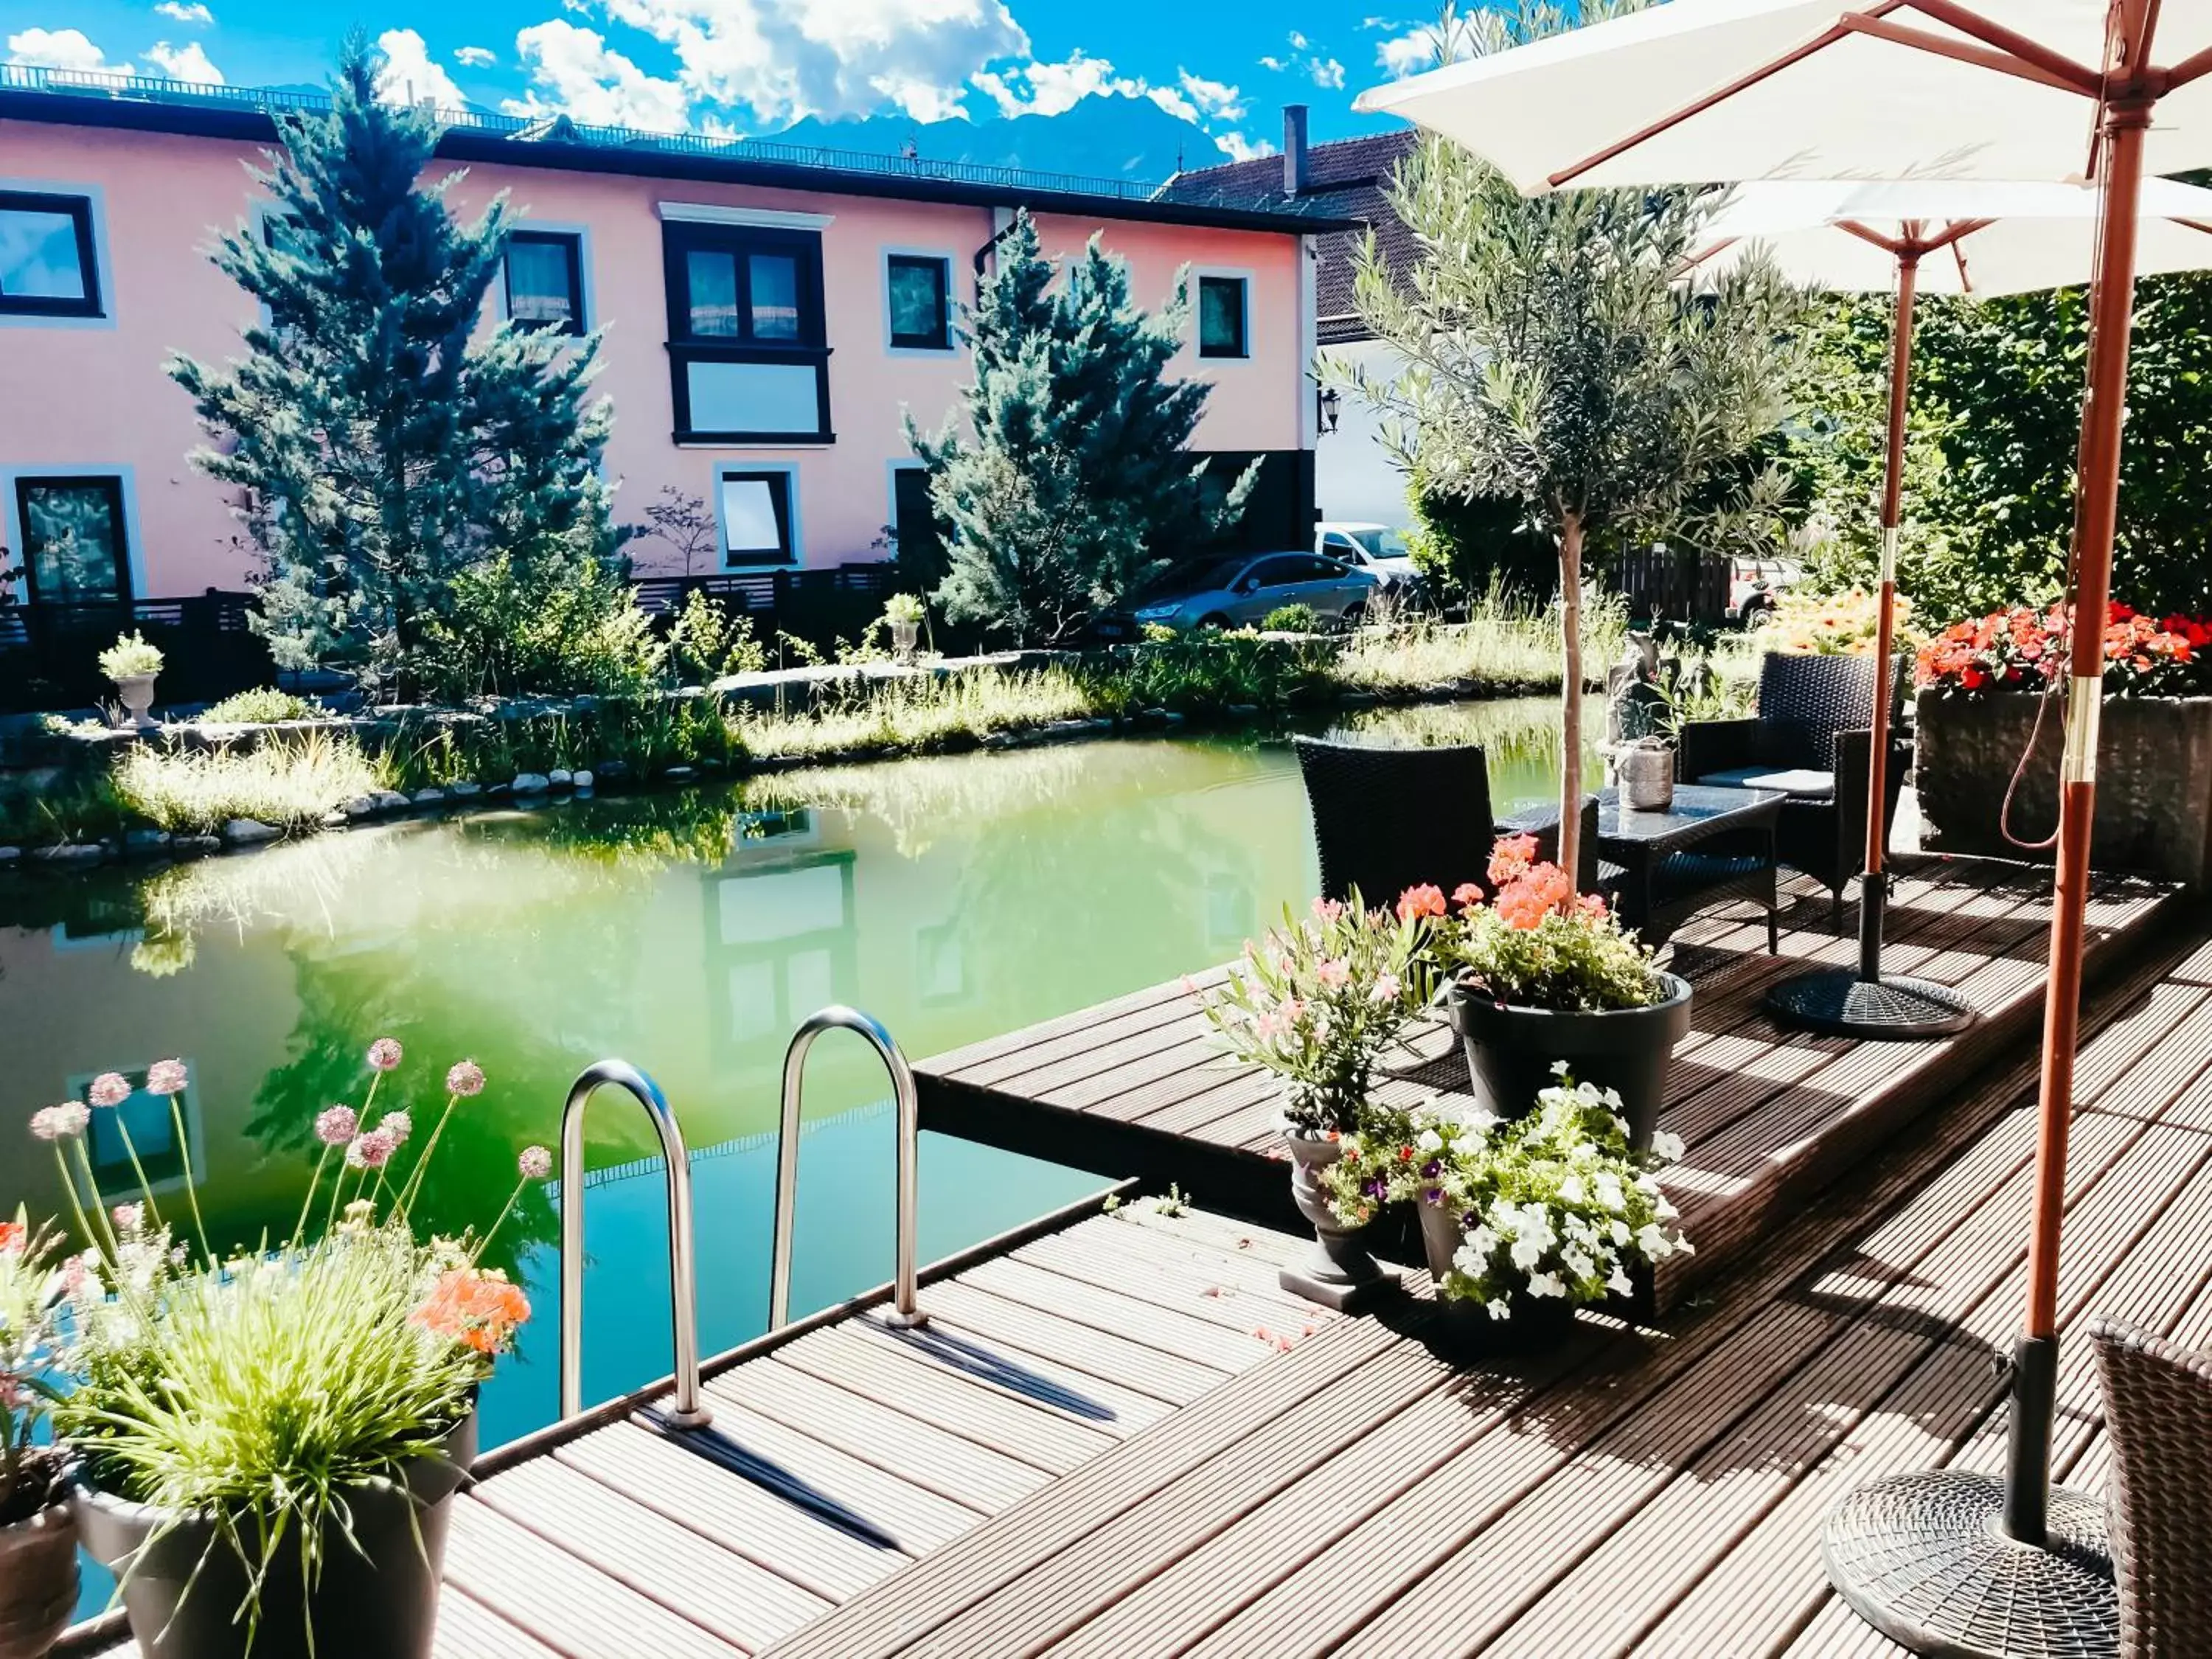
1467, 1331
374, 1597
1510, 1051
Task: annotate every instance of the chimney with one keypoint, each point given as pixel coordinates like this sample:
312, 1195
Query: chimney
1294, 150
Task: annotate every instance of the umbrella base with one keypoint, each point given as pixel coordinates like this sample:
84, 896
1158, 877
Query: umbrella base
1924, 1558
1836, 1002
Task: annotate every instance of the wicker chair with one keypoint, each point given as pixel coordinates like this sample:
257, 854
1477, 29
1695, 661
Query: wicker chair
1388, 819
1809, 739
2158, 1413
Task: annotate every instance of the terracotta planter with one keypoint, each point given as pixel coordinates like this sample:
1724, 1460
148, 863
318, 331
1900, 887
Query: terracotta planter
1510, 1052
1535, 1321
1337, 1271
2153, 780
379, 1601
136, 693
38, 1582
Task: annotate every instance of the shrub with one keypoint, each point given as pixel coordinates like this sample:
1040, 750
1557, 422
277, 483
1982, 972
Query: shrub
904, 608
263, 705
1831, 624
707, 642
1290, 619
540, 627
129, 657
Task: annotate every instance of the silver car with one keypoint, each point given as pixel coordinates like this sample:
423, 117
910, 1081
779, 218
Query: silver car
1240, 592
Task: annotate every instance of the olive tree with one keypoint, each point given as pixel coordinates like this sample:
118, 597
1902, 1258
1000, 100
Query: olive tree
1555, 358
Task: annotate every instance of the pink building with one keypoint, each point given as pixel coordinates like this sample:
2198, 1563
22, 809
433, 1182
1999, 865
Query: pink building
769, 316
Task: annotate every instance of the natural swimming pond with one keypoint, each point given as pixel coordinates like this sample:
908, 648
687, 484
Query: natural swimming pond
689, 932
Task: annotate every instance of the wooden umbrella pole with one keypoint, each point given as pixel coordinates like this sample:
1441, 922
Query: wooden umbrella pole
1874, 886
2035, 1357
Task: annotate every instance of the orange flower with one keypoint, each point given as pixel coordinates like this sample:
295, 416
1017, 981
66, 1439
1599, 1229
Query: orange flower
1510, 857
1426, 900
13, 1235
1467, 895
475, 1307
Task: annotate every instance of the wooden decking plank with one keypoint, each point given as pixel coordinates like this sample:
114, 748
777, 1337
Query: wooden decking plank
467, 1629
765, 1526
916, 1449
1123, 1383
692, 1576
1205, 1283
566, 1603
1194, 1327
1219, 1232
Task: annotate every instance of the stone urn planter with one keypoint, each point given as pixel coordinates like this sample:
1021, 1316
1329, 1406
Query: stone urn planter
906, 634
135, 692
1534, 1322
1337, 1271
2153, 780
1510, 1051
38, 1582
375, 1597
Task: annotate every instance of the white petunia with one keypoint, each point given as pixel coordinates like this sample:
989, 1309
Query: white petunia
1619, 1283
1527, 1253
1621, 1233
1571, 1191
1651, 1239
1578, 1262
1668, 1145
1608, 1189
1428, 1141
1482, 1241
1499, 1307
1546, 1285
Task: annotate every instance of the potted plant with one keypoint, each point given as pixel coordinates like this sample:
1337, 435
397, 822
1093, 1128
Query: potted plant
1537, 975
131, 663
1317, 1001
267, 1444
37, 1533
1523, 1220
903, 613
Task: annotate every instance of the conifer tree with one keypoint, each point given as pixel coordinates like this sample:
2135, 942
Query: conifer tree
1071, 485
383, 441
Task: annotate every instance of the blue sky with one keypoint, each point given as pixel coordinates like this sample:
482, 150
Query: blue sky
755, 66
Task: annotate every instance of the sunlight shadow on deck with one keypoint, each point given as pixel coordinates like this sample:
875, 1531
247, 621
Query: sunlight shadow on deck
988, 1365
726, 1452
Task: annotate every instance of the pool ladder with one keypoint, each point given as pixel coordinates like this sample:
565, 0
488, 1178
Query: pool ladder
686, 1410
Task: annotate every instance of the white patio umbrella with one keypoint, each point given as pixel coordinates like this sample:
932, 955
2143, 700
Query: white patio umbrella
1709, 91
1972, 237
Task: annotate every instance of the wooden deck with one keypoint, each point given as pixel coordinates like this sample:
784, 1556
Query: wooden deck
1141, 1087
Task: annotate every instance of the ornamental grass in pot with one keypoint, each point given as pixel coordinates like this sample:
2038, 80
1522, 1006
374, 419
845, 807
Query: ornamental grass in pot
1316, 1002
1522, 1219
37, 1533
267, 1442
1536, 973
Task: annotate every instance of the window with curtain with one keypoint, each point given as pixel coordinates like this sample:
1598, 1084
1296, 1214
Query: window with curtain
545, 281
920, 301
747, 350
1221, 317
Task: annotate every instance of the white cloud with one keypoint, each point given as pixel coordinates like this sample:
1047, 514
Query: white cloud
185, 63
785, 59
409, 76
572, 71
1237, 148
1276, 64
1408, 54
475, 56
1214, 97
1043, 88
1174, 103
1297, 41
61, 49
195, 14
1327, 72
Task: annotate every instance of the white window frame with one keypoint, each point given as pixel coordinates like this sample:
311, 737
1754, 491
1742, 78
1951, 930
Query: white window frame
1239, 274
588, 311
12, 530
103, 263
790, 472
952, 263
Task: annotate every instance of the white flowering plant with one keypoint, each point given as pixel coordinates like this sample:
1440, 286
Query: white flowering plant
1318, 1000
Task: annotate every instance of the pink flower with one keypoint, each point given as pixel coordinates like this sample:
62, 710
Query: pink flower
398, 1126
1334, 974
1189, 986
63, 1122
109, 1089
372, 1151
383, 1054
165, 1077
129, 1217
1386, 987
466, 1078
1326, 910
76, 1270
337, 1125
535, 1164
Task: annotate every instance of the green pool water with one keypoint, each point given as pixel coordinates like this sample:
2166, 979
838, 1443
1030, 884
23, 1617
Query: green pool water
687, 932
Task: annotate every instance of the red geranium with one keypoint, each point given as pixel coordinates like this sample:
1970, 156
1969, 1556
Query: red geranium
2024, 648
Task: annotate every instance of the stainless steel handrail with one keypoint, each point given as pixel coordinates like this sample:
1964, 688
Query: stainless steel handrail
903, 1312
686, 1412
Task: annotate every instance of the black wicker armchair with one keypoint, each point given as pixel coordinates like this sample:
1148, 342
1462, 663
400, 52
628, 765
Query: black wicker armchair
2158, 1414
1809, 740
1388, 819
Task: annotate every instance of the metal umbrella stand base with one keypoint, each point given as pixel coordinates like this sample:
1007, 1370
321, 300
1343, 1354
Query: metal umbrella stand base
1925, 1559
1863, 1001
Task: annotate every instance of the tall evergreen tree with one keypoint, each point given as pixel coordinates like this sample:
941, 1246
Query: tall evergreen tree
1071, 485
384, 442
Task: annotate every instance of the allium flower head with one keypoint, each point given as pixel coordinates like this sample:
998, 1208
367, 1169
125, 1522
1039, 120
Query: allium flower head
384, 1054
535, 1164
372, 1151
165, 1077
398, 1126
129, 1217
337, 1125
466, 1078
109, 1089
63, 1122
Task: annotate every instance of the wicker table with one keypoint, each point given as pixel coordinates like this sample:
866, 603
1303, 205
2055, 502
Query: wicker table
1711, 846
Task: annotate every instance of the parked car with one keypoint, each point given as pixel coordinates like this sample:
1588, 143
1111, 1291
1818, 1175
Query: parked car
1375, 547
1755, 584
1240, 592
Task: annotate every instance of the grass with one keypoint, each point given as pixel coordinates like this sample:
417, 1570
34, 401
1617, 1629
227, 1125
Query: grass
288, 783
262, 706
